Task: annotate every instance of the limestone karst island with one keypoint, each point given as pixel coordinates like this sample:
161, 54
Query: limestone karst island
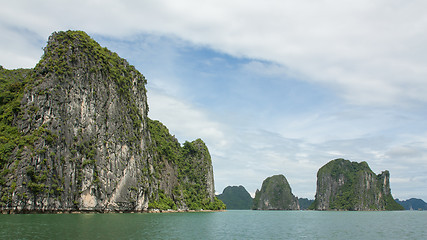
75, 136
275, 194
341, 186
345, 185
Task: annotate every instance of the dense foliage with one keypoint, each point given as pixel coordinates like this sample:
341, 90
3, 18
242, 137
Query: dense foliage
391, 204
12, 84
12, 141
193, 161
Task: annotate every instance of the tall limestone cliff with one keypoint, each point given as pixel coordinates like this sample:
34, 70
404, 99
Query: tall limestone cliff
345, 185
75, 136
275, 194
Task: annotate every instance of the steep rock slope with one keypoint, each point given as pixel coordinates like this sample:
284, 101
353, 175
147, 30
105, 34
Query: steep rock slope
75, 136
186, 172
345, 185
236, 197
275, 194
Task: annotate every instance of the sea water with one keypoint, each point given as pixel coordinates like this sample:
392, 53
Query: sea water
218, 225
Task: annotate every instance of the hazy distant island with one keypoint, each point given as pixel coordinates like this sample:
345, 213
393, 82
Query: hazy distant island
236, 197
305, 203
413, 204
75, 136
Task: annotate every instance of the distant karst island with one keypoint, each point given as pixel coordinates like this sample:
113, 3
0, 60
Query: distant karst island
275, 194
413, 204
341, 185
345, 185
236, 197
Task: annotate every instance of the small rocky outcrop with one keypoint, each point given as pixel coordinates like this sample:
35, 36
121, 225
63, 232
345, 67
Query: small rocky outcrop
345, 185
275, 194
236, 197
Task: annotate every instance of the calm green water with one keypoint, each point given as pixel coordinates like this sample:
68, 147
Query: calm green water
218, 225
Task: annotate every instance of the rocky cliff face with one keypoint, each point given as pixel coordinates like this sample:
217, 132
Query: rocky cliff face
275, 194
77, 138
345, 185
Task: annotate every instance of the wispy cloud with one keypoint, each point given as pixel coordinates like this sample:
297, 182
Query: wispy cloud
371, 52
187, 121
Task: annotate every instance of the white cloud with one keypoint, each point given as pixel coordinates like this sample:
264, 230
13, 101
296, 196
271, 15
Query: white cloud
372, 52
185, 120
20, 47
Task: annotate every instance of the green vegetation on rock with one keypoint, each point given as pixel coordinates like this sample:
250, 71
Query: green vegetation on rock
12, 141
74, 50
236, 197
345, 185
275, 194
193, 164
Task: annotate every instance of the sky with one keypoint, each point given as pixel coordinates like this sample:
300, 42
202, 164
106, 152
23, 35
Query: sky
272, 86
